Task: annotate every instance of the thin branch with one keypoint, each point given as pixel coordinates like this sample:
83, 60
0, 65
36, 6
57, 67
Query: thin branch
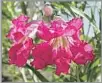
24, 7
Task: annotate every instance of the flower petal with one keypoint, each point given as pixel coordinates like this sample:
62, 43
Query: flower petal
44, 32
19, 53
21, 18
38, 63
43, 52
62, 66
12, 53
76, 23
73, 29
82, 53
62, 59
18, 36
18, 29
58, 26
62, 52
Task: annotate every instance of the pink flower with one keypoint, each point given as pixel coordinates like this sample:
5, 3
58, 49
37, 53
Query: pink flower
65, 45
19, 53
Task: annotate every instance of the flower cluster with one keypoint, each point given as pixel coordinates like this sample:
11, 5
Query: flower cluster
60, 45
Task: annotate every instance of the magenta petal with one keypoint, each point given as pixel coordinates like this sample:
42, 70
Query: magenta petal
89, 50
27, 47
21, 18
18, 36
73, 29
70, 31
58, 26
28, 43
44, 32
14, 34
82, 53
19, 27
56, 29
80, 59
38, 63
62, 66
43, 52
19, 53
62, 52
77, 23
20, 60
76, 37
12, 53
62, 59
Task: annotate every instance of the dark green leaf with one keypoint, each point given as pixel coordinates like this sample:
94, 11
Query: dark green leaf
38, 74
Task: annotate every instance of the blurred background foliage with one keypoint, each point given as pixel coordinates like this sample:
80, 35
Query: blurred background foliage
89, 11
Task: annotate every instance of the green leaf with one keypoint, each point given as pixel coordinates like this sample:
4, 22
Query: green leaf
38, 74
96, 63
70, 10
92, 15
77, 11
84, 77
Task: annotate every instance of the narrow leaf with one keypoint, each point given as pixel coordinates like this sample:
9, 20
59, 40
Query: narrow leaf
77, 11
38, 74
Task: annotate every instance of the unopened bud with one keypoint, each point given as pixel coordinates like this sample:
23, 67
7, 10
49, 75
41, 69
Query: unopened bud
47, 10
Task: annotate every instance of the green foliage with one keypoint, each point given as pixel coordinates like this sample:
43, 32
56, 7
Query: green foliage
40, 76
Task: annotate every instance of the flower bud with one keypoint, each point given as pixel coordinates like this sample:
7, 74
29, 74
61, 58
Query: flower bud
47, 10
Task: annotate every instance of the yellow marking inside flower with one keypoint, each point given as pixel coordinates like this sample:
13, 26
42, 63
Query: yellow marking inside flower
60, 42
22, 39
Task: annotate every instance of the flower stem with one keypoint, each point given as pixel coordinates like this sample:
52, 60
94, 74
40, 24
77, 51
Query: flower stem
23, 74
33, 76
77, 72
37, 73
